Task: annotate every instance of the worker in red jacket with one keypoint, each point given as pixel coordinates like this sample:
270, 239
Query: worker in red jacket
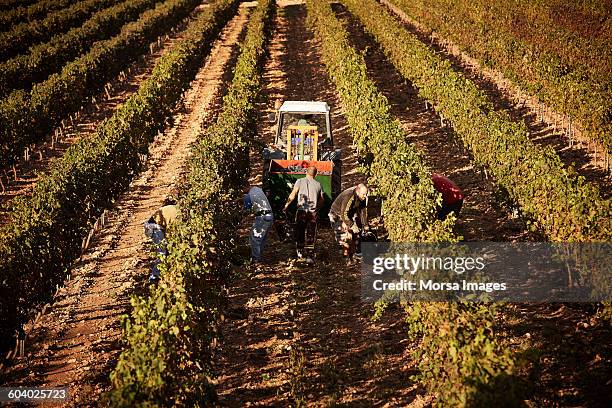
452, 196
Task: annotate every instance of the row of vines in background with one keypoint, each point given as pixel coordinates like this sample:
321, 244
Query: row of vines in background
10, 4
167, 361
44, 59
45, 231
459, 357
20, 37
559, 203
30, 12
547, 48
29, 117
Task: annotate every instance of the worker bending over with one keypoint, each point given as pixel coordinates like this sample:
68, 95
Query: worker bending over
452, 196
255, 199
156, 228
349, 217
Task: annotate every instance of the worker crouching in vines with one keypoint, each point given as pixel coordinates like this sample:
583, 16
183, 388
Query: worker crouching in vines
310, 199
452, 196
349, 218
156, 228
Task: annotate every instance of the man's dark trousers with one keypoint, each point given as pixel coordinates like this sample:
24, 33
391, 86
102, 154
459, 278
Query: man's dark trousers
305, 229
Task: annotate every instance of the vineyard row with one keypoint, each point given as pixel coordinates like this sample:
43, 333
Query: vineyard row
45, 233
29, 117
22, 36
459, 357
566, 71
170, 334
29, 13
561, 204
45, 59
10, 4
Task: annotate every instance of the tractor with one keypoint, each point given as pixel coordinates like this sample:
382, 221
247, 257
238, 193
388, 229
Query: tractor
303, 138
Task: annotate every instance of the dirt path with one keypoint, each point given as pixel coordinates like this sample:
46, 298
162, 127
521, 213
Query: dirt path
298, 336
549, 130
566, 353
85, 125
77, 342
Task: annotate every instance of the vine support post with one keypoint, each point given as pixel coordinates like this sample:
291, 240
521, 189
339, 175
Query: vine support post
542, 112
20, 346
